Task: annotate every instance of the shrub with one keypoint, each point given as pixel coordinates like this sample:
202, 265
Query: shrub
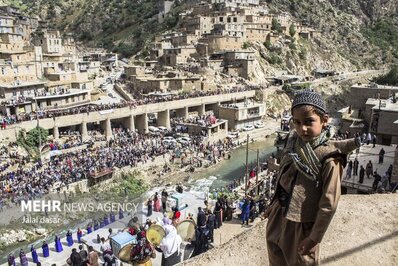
245, 45
391, 78
274, 59
292, 30
267, 44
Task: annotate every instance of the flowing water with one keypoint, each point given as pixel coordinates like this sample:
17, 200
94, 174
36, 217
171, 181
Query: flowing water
228, 170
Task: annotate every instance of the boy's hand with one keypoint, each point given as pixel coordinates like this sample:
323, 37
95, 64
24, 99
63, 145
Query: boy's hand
307, 246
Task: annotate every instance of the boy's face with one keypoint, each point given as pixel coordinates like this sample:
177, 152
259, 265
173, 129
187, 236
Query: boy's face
308, 124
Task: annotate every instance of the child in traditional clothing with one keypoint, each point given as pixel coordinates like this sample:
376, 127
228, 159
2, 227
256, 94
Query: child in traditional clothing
69, 238
106, 220
58, 244
79, 235
35, 257
23, 259
89, 228
96, 225
112, 217
308, 184
46, 250
11, 260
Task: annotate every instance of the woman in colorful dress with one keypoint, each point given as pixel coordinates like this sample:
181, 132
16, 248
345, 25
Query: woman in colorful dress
58, 244
46, 250
35, 258
69, 238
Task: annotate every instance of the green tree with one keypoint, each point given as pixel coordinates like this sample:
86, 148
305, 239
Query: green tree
34, 136
292, 30
245, 45
276, 26
124, 49
267, 44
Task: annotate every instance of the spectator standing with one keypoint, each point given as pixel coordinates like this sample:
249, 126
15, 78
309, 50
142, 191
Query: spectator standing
369, 169
355, 167
381, 155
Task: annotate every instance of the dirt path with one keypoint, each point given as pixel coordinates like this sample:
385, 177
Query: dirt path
363, 232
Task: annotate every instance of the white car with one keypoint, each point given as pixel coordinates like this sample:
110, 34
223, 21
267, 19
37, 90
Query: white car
259, 125
233, 135
163, 129
248, 128
169, 139
153, 130
184, 140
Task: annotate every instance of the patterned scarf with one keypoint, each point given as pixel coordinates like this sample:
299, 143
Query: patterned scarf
304, 157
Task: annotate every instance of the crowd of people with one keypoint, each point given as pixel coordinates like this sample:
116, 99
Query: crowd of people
13, 119
126, 148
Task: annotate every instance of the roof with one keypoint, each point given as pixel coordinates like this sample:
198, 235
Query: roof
24, 84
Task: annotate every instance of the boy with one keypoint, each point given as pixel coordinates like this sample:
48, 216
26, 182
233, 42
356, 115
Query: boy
308, 184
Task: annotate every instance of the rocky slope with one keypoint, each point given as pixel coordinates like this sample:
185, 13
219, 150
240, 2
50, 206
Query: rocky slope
126, 26
343, 25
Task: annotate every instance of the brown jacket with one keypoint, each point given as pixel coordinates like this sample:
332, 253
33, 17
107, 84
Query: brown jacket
311, 202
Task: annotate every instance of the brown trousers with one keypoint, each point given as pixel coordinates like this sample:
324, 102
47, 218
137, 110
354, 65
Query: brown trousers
283, 238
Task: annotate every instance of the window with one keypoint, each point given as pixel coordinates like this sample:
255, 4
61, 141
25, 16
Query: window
48, 102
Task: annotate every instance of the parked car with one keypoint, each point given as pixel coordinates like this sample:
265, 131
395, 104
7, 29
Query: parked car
248, 128
170, 139
163, 129
153, 130
259, 125
184, 140
233, 135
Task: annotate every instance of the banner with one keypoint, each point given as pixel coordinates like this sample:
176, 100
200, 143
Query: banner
104, 112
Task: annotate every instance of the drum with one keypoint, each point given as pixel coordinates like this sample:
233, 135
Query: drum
155, 234
125, 253
186, 229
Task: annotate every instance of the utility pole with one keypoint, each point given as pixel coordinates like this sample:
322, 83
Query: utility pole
38, 125
258, 171
247, 164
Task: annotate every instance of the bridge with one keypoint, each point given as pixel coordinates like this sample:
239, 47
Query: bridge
131, 118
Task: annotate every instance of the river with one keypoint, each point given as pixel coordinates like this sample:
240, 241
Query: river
228, 170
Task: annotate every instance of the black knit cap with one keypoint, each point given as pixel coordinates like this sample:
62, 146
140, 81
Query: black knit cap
312, 98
